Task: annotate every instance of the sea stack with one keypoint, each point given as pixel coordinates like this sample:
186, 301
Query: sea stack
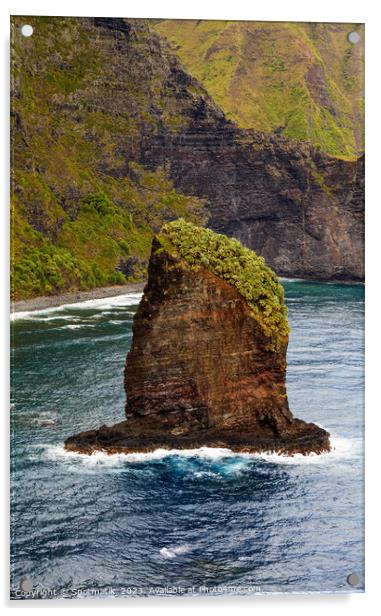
207, 366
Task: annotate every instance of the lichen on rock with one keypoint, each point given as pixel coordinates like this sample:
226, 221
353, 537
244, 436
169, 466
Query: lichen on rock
207, 364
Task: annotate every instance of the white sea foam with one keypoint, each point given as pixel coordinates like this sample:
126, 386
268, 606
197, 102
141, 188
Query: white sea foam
43, 421
73, 326
172, 552
41, 316
284, 279
342, 449
104, 303
58, 452
203, 474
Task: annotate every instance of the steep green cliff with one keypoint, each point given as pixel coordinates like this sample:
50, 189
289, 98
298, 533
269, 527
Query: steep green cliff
82, 104
304, 80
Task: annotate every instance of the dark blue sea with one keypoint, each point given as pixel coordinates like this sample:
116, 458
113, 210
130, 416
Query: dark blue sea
208, 522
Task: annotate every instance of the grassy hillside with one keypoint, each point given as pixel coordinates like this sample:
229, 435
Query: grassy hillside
302, 80
83, 209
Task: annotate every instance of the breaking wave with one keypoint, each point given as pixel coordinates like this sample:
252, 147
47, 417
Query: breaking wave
102, 304
172, 552
342, 448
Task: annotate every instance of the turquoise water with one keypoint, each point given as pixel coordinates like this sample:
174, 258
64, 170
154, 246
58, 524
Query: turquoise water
206, 522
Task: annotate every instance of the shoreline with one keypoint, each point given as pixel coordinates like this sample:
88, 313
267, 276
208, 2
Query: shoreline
74, 297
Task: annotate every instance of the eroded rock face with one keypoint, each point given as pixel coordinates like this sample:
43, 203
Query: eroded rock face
300, 209
202, 372
208, 362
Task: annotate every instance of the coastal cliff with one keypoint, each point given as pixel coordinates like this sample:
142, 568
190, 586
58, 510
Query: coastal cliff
207, 364
112, 137
298, 208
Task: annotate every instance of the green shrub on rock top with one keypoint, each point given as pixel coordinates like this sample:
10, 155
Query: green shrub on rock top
237, 265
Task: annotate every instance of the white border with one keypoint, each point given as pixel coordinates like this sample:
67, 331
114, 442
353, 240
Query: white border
292, 10
273, 10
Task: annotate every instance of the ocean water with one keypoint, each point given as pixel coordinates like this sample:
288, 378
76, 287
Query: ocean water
202, 522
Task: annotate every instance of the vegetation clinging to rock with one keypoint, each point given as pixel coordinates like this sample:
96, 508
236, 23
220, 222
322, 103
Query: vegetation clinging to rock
237, 265
82, 204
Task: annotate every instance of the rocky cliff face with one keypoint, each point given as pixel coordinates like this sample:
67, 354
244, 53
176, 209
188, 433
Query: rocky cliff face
301, 210
204, 368
111, 137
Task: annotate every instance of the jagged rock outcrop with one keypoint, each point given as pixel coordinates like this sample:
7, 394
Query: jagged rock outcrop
207, 364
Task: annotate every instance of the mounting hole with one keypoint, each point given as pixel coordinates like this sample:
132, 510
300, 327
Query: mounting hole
26, 30
353, 579
26, 585
354, 37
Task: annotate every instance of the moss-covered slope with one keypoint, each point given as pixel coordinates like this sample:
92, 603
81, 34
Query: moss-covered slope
237, 265
302, 79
